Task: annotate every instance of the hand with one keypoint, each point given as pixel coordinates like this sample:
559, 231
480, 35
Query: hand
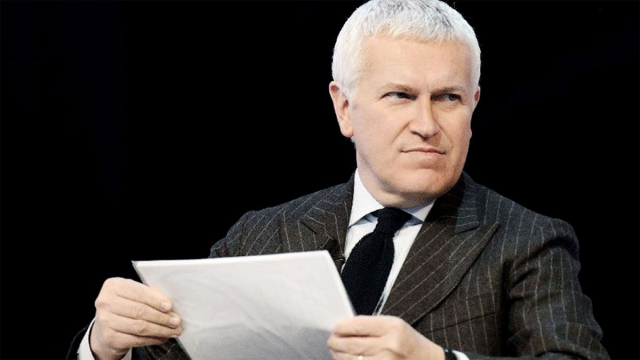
380, 337
130, 314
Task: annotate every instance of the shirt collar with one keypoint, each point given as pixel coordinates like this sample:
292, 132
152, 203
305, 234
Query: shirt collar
364, 204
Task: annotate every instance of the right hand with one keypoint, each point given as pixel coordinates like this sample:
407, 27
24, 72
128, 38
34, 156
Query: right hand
130, 314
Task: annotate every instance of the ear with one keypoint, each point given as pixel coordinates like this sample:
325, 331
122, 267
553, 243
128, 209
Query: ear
341, 107
476, 97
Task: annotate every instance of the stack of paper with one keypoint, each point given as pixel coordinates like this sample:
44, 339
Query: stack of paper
280, 306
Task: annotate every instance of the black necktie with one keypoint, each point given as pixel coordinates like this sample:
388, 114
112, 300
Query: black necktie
367, 269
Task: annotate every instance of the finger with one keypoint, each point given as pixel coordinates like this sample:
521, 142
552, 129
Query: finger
339, 355
374, 326
336, 355
139, 292
141, 328
354, 345
136, 310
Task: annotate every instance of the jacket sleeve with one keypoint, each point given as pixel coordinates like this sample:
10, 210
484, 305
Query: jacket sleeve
549, 316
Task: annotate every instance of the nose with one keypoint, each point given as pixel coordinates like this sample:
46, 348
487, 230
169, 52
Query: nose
425, 122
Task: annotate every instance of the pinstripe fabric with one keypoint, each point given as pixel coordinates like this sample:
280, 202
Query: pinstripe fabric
484, 276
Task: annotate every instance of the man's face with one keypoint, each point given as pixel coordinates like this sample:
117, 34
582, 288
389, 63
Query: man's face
410, 118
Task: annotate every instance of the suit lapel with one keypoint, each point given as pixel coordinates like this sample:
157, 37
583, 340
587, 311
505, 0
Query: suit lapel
326, 220
447, 244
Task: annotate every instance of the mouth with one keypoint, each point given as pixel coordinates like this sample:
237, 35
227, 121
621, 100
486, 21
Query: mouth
426, 150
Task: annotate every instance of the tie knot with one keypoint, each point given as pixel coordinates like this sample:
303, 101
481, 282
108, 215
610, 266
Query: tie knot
390, 220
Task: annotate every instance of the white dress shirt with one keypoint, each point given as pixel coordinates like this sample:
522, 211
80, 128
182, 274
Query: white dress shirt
361, 223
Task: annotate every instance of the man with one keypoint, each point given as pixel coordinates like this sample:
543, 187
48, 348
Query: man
468, 269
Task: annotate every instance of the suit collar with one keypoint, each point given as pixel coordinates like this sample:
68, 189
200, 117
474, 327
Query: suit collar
330, 215
448, 242
458, 207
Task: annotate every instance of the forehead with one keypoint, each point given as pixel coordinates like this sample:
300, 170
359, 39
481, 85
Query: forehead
407, 61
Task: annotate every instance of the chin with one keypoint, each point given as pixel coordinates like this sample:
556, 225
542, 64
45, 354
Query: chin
427, 185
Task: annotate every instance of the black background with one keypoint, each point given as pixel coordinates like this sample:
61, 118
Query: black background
143, 130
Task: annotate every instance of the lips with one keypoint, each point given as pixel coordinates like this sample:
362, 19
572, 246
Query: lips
427, 150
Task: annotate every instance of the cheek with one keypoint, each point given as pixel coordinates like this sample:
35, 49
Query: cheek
466, 136
458, 135
460, 131
462, 142
371, 127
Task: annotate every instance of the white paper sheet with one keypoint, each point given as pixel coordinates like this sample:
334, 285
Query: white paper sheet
280, 306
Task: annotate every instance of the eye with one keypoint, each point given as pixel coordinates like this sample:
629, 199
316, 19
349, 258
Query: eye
448, 97
400, 95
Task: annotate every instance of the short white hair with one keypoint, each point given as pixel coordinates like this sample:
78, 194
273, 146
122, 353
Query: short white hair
420, 20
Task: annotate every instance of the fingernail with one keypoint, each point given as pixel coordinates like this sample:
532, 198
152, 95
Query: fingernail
174, 320
165, 306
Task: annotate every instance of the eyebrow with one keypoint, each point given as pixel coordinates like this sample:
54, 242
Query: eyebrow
450, 89
409, 89
398, 87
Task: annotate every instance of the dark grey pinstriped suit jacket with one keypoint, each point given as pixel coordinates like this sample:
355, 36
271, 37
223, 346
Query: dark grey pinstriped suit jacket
485, 275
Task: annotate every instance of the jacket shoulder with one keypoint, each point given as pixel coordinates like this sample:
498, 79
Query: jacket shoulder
496, 207
520, 222
302, 204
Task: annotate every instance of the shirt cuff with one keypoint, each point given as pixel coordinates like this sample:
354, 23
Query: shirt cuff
84, 351
460, 356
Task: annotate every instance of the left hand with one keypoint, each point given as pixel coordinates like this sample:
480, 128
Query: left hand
380, 337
